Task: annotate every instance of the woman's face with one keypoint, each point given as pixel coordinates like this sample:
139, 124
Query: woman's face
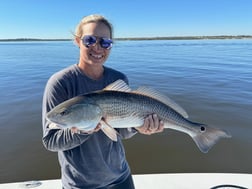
94, 55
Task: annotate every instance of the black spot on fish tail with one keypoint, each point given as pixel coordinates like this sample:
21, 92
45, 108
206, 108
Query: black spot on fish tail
202, 128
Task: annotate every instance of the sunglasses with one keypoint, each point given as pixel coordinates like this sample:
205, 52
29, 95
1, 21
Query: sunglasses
90, 40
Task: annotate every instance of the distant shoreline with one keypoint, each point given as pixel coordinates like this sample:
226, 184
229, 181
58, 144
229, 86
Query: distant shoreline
143, 38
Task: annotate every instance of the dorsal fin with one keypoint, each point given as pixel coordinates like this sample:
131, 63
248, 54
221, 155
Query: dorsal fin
118, 85
147, 91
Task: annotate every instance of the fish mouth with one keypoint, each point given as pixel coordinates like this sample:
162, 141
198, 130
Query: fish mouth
55, 122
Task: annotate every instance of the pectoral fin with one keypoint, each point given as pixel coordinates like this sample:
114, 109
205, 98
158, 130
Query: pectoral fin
108, 130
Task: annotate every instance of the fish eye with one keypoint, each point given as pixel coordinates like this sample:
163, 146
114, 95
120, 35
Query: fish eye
64, 112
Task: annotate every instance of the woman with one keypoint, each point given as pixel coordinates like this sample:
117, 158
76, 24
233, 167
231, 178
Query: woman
89, 159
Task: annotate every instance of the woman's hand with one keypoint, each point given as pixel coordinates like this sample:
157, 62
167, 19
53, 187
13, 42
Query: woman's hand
151, 125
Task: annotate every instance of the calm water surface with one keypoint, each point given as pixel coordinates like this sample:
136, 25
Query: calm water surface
211, 79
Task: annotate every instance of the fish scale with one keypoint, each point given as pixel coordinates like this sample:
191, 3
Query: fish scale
128, 104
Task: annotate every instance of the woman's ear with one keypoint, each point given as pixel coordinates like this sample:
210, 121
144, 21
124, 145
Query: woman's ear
77, 41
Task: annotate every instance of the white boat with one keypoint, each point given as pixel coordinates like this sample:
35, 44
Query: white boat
161, 181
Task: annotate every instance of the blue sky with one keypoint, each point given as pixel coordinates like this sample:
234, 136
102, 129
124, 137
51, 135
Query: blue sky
131, 18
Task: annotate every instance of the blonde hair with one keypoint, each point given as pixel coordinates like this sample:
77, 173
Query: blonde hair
93, 18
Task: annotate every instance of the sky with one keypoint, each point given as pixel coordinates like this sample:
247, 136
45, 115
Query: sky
50, 19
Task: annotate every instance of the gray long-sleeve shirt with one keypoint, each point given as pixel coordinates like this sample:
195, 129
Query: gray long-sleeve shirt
86, 160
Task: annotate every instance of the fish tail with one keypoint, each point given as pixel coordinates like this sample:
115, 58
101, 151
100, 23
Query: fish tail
208, 136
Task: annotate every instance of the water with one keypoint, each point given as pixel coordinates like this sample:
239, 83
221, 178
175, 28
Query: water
211, 79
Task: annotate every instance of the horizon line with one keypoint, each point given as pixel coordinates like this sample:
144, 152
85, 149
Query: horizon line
139, 38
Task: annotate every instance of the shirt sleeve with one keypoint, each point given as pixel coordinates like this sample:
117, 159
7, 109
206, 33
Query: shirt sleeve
55, 139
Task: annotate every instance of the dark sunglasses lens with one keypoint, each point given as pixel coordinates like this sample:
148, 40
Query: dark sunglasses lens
89, 40
106, 43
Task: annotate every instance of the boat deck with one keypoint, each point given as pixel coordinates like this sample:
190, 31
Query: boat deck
162, 181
